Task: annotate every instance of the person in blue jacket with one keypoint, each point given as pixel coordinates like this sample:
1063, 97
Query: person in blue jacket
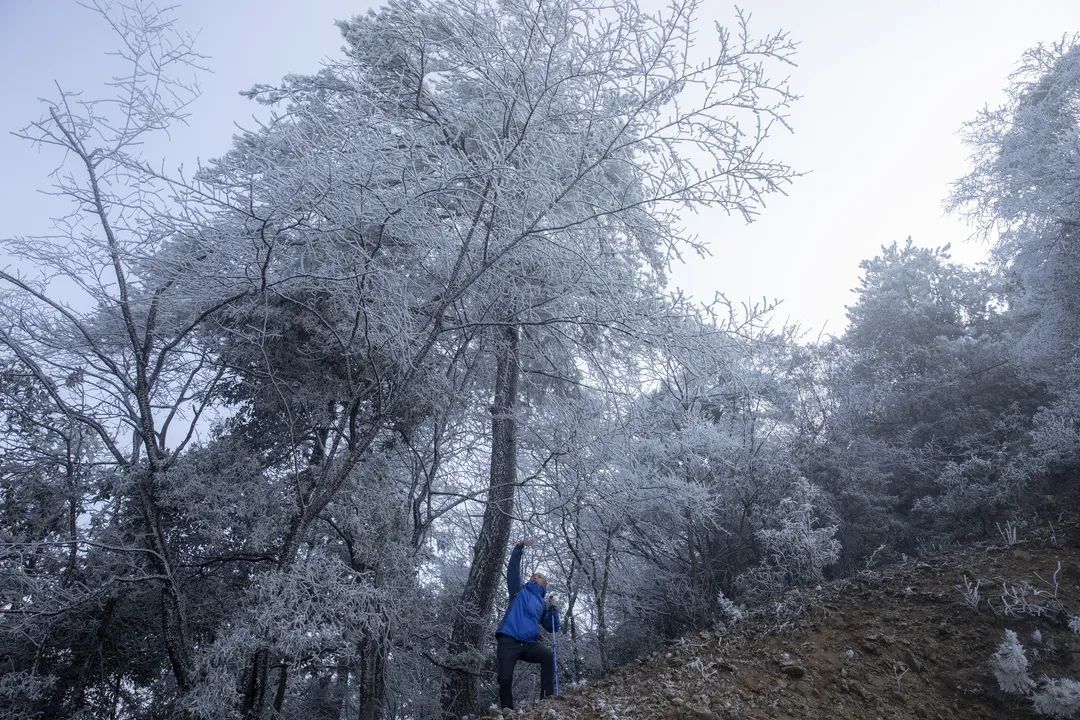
518, 635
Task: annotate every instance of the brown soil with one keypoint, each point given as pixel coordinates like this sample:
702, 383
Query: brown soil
897, 642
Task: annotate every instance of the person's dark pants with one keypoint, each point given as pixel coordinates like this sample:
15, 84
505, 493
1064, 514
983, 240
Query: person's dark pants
508, 652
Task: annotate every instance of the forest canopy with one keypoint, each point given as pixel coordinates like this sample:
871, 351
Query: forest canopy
270, 428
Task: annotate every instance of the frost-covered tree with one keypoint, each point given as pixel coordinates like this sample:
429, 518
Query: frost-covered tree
928, 413
528, 160
435, 251
124, 336
1023, 192
665, 505
100, 323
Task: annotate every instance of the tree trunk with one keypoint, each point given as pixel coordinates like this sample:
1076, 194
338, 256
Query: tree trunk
470, 619
574, 641
68, 577
115, 712
176, 631
373, 655
255, 686
601, 634
85, 668
279, 696
601, 609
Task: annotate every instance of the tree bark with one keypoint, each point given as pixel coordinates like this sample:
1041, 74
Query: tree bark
601, 609
279, 696
574, 640
470, 617
373, 657
175, 628
255, 685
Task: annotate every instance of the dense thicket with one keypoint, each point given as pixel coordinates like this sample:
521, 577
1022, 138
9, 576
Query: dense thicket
268, 430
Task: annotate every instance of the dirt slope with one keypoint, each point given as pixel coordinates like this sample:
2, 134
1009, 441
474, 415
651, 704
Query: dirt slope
898, 642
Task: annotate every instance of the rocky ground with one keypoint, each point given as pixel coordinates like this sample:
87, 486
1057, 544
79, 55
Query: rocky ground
898, 642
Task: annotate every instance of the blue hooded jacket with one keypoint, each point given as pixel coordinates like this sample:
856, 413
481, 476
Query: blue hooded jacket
527, 611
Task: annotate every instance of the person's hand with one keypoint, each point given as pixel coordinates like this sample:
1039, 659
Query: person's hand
527, 542
552, 601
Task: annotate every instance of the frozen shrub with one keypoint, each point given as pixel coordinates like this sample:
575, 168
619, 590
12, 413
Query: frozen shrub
1058, 698
796, 550
977, 485
1011, 666
729, 611
1074, 624
1022, 599
1028, 599
1008, 533
970, 592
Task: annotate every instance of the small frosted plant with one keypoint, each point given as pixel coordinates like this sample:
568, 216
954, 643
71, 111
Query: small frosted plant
1008, 533
1058, 698
1023, 599
728, 609
1011, 666
1074, 624
970, 593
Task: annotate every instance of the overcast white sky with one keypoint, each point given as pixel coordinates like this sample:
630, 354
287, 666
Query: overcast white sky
886, 87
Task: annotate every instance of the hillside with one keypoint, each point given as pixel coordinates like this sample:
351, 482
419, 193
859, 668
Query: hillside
895, 642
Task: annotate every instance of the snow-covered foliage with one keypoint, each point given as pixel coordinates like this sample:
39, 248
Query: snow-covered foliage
1010, 665
797, 548
917, 389
1023, 184
1053, 697
1057, 698
315, 607
731, 612
250, 467
1008, 533
1034, 600
332, 300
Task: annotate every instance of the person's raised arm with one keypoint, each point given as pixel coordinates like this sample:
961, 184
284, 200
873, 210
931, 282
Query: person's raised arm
514, 580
